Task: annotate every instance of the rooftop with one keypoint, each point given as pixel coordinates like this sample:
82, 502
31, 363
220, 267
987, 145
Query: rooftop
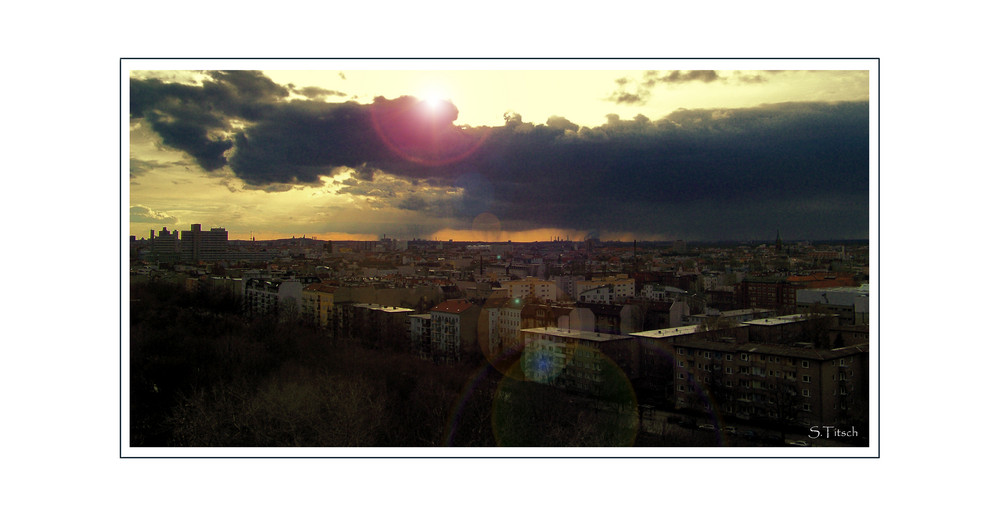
452, 306
380, 308
666, 333
576, 334
735, 313
776, 321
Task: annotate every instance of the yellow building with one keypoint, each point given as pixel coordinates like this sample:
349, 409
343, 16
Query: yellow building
531, 287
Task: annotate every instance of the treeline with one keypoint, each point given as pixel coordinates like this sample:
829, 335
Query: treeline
202, 374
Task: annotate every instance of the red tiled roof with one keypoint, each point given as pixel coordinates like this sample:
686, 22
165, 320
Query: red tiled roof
320, 287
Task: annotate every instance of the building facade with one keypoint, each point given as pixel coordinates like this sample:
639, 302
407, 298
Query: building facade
453, 330
267, 297
199, 245
580, 361
531, 288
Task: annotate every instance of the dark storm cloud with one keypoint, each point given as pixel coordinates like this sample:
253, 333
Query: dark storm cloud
317, 92
641, 175
196, 118
724, 171
413, 203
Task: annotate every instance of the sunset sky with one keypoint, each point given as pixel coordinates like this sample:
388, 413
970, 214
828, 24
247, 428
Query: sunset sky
649, 150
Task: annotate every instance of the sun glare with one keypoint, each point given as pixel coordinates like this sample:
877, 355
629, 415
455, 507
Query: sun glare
434, 104
434, 96
434, 93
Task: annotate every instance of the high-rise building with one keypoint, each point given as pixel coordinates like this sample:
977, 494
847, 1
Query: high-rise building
198, 245
166, 246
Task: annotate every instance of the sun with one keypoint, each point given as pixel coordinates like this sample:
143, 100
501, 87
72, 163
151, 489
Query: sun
435, 95
434, 104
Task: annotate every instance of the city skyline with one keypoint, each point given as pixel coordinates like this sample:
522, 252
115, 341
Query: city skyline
496, 155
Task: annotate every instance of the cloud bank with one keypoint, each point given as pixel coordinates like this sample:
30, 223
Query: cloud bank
697, 174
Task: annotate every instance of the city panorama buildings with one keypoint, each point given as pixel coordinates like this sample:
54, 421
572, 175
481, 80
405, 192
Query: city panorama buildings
796, 353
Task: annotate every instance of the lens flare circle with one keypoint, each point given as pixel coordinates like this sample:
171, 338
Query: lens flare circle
583, 400
423, 131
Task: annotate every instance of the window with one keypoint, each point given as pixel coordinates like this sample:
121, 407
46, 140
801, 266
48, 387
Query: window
806, 378
680, 350
729, 357
729, 370
680, 376
805, 364
708, 355
805, 393
806, 407
743, 357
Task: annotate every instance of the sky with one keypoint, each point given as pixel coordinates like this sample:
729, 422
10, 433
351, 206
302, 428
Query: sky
523, 151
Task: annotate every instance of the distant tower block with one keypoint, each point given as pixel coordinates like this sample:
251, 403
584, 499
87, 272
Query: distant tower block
777, 242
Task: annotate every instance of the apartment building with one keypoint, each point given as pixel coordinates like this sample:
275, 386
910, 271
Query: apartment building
729, 316
453, 330
780, 292
509, 325
766, 292
531, 288
166, 246
659, 292
849, 304
575, 360
621, 288
777, 383
270, 296
488, 328
322, 305
381, 326
655, 376
420, 336
614, 318
199, 245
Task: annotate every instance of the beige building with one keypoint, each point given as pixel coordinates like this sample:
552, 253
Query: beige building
621, 288
322, 305
531, 287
